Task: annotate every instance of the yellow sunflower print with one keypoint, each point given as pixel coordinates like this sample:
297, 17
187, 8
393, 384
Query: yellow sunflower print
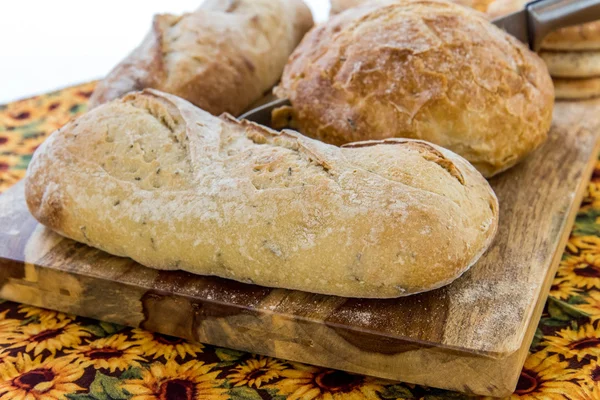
7, 325
312, 383
21, 113
594, 195
588, 244
545, 377
31, 143
591, 306
9, 141
41, 313
563, 290
581, 343
191, 381
8, 179
8, 161
582, 271
112, 353
591, 376
157, 345
27, 379
51, 335
256, 371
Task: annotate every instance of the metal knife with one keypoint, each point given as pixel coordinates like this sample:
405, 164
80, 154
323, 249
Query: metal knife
541, 17
529, 25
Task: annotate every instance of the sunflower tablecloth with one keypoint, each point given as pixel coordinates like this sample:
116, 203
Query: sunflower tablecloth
48, 355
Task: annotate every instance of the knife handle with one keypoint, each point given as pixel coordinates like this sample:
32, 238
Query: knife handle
546, 16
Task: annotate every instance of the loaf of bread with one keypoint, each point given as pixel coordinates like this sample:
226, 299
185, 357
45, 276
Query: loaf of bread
153, 178
422, 69
222, 57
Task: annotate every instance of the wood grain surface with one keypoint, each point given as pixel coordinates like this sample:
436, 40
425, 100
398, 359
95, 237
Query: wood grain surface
471, 336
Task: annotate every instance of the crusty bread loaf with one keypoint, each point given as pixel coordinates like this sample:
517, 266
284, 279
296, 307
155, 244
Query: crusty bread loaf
577, 89
156, 179
572, 64
422, 69
223, 57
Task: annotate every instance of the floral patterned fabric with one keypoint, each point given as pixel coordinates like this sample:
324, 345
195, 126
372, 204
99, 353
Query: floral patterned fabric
48, 355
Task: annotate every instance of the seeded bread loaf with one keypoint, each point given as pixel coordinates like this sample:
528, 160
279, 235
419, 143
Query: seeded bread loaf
153, 178
223, 57
421, 69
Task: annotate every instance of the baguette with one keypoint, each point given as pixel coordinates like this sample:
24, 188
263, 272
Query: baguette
153, 178
223, 57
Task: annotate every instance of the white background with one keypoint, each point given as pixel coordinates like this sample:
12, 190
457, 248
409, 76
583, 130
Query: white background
47, 45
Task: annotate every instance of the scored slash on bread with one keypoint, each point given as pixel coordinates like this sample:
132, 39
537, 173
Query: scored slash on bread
156, 179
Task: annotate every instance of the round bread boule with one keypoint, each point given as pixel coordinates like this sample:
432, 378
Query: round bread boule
423, 69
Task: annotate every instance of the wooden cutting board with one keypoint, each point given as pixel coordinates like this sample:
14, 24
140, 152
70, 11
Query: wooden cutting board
471, 336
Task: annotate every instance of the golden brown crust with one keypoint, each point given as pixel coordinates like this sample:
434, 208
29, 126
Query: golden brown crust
577, 89
153, 178
223, 57
422, 69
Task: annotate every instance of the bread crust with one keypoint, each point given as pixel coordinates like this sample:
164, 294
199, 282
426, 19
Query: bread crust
572, 64
577, 89
153, 178
223, 57
422, 69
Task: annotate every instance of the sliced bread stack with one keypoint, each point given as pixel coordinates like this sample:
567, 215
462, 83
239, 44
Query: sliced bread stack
573, 58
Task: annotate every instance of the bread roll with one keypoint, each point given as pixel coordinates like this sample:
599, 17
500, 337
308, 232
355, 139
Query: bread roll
422, 69
572, 64
222, 57
156, 179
